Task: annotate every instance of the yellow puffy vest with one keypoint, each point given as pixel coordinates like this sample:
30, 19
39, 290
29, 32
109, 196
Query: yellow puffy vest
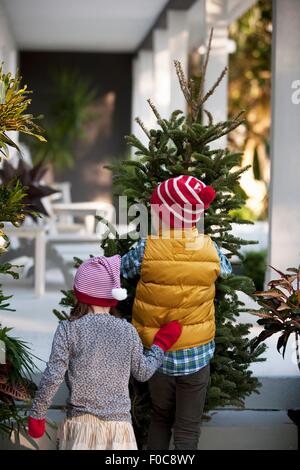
177, 283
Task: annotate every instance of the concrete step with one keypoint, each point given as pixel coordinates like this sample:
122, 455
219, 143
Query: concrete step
226, 430
249, 430
276, 393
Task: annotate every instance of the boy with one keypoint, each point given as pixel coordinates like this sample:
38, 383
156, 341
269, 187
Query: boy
178, 269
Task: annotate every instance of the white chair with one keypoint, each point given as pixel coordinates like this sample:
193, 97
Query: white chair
58, 238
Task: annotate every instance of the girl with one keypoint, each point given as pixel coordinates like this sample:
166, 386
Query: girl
97, 352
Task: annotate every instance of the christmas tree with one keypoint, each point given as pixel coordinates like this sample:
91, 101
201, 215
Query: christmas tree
180, 145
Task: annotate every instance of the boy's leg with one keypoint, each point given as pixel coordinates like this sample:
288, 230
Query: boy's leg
190, 399
163, 393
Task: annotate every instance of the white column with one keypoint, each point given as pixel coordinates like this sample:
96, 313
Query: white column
162, 72
9, 56
197, 18
217, 103
178, 50
142, 89
40, 262
8, 50
284, 233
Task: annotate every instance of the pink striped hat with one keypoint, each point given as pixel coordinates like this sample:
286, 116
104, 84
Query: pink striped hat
182, 200
97, 281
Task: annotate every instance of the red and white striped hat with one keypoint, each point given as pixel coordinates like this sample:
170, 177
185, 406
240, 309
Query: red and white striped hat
183, 199
97, 282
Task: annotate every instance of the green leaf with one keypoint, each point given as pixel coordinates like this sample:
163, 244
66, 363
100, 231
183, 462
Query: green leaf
256, 165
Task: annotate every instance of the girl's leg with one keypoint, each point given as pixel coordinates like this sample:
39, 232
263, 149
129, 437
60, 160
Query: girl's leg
162, 392
190, 398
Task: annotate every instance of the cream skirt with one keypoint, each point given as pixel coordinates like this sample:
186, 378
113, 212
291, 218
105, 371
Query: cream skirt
88, 432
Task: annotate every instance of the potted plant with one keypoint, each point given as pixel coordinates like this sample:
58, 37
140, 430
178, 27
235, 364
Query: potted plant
16, 361
70, 99
280, 313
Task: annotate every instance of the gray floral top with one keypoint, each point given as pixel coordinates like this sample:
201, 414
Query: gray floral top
96, 355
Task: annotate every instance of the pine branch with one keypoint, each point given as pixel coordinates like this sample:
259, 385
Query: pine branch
154, 109
204, 68
213, 88
207, 54
133, 141
142, 125
182, 81
210, 117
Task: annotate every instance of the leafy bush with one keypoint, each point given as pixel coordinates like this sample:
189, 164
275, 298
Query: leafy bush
254, 266
15, 373
280, 310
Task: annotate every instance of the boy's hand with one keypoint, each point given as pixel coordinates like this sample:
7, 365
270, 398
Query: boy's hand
167, 335
36, 427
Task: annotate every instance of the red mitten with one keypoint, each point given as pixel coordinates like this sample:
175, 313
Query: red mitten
36, 427
167, 335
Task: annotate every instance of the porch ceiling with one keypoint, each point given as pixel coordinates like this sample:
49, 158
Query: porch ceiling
89, 25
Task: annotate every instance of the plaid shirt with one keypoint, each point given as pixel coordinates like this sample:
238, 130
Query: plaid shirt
185, 361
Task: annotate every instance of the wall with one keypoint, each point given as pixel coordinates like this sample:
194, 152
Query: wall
110, 75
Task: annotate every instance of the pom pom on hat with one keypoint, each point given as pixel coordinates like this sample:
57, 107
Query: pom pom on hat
119, 294
207, 195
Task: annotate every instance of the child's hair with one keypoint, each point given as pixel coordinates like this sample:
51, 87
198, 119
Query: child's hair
79, 310
82, 309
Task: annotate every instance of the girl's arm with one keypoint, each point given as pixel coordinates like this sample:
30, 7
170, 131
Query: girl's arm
53, 375
143, 365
